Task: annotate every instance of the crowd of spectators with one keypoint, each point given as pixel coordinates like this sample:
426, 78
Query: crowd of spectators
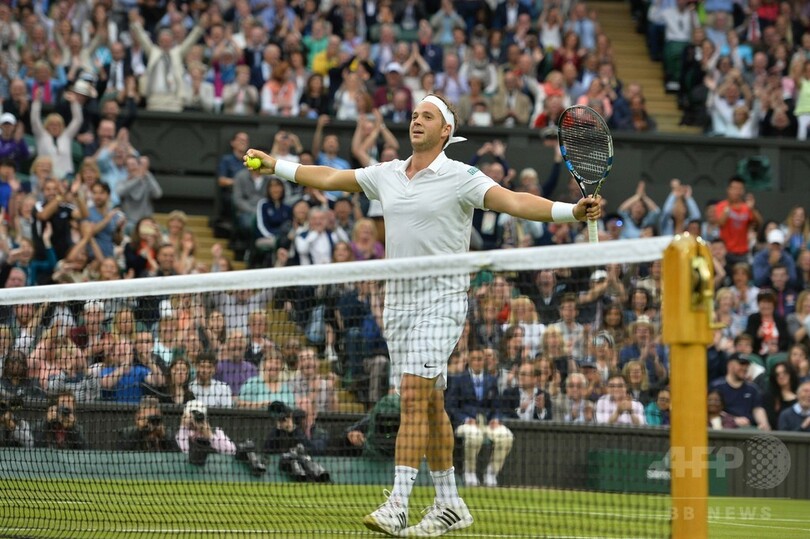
578, 345
740, 69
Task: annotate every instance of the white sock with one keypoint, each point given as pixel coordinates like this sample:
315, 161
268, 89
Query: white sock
404, 479
445, 483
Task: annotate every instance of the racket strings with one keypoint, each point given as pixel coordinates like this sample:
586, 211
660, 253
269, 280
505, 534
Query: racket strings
587, 146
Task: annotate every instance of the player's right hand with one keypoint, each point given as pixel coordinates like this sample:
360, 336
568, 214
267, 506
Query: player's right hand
268, 161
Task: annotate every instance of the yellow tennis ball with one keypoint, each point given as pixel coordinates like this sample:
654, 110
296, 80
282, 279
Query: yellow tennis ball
254, 163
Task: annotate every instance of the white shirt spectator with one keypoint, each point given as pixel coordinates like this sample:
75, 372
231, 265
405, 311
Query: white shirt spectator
215, 395
606, 406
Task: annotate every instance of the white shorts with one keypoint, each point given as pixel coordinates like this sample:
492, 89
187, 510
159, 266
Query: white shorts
420, 341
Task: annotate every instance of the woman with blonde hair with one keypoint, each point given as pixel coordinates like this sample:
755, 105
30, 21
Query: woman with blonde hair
88, 174
52, 137
553, 349
523, 313
638, 383
41, 170
365, 244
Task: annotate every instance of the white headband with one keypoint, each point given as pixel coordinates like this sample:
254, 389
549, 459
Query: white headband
448, 117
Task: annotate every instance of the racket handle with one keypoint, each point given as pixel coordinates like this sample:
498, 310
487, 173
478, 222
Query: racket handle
593, 231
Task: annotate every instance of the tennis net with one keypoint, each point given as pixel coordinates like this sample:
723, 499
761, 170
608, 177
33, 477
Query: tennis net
259, 402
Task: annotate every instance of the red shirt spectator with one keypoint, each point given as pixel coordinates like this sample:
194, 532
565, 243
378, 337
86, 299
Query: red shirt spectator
736, 215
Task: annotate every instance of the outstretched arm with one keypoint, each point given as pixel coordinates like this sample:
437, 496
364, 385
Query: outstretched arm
535, 208
319, 177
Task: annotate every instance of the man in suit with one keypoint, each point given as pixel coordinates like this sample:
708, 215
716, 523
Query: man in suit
527, 401
472, 402
114, 76
163, 80
510, 106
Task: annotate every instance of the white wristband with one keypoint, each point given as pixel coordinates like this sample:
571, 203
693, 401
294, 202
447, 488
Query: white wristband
562, 212
286, 170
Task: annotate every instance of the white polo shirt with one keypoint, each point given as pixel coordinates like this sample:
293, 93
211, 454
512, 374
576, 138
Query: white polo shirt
430, 214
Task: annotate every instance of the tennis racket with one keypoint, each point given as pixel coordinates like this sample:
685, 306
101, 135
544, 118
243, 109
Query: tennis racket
587, 149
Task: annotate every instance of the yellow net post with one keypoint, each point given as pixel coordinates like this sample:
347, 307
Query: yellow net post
688, 296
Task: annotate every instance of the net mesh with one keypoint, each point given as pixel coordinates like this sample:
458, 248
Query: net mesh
259, 403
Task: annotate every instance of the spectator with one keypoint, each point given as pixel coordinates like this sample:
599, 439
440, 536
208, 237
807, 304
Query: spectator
510, 106
162, 82
618, 407
258, 342
375, 434
773, 256
248, 188
802, 108
768, 328
273, 219
121, 379
780, 393
736, 216
315, 100
679, 208
585, 28
196, 430
571, 331
211, 392
638, 212
231, 365
266, 387
14, 431
138, 190
59, 429
575, 406
473, 404
240, 96
742, 400
644, 348
15, 384
526, 401
718, 417
798, 322
679, 21
315, 244
797, 416
279, 95
18, 103
450, 82
105, 223
71, 374
365, 245
53, 138
444, 21
285, 433
178, 378
12, 144
315, 393
657, 412
149, 433
230, 164
197, 93
638, 385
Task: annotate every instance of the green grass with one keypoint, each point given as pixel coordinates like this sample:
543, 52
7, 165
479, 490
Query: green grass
82, 509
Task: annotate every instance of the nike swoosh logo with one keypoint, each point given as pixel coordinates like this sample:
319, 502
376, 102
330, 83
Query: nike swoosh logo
429, 366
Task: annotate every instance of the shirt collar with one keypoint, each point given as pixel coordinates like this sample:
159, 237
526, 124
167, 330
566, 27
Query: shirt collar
434, 166
798, 409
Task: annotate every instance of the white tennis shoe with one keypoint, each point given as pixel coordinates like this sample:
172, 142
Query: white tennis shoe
440, 519
390, 518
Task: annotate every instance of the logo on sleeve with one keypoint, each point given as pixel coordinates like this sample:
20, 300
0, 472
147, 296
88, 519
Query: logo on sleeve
472, 171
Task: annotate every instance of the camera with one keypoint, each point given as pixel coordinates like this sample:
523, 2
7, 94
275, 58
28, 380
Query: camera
198, 416
64, 411
299, 466
246, 452
154, 421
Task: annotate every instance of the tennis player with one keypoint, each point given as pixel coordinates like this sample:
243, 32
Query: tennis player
428, 203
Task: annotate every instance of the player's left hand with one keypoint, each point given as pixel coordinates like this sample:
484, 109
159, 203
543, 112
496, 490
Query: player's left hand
588, 209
